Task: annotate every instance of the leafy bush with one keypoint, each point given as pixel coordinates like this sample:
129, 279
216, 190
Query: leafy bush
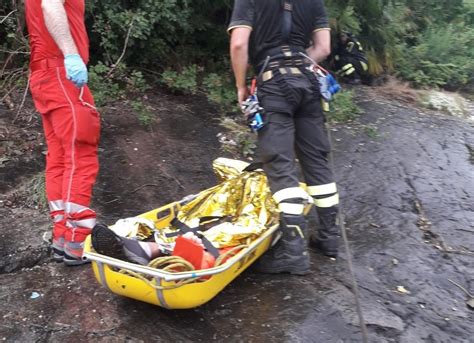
161, 33
111, 84
444, 57
343, 108
221, 92
184, 81
105, 89
238, 139
143, 113
218, 88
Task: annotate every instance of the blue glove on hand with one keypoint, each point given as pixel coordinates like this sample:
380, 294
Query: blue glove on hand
76, 70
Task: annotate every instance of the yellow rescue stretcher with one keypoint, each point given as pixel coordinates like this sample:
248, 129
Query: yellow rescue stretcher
174, 290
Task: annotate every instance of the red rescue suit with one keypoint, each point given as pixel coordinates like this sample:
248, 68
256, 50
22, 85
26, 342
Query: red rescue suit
70, 120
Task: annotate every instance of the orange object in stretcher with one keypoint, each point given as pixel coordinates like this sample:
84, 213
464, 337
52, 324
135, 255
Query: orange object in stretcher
193, 253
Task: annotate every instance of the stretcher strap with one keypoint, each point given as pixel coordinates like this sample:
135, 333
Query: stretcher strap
253, 167
183, 228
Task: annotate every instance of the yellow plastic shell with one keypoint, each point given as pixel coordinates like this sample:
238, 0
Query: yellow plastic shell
165, 290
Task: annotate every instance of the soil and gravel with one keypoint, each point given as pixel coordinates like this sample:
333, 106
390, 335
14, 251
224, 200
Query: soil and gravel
406, 177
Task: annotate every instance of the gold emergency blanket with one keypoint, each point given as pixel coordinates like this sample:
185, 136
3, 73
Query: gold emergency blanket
242, 196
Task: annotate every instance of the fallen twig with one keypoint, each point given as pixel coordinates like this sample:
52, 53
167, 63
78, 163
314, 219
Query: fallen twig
444, 248
16, 52
143, 186
6, 17
25, 93
465, 230
171, 177
111, 201
462, 288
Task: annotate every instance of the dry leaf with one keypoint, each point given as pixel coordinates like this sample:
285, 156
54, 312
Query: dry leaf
470, 303
402, 290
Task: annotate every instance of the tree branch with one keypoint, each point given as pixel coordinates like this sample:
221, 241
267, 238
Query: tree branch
123, 50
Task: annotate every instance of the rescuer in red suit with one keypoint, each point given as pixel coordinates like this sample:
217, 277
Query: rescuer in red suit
58, 84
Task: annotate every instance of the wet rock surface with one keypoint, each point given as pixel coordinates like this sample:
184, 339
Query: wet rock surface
406, 178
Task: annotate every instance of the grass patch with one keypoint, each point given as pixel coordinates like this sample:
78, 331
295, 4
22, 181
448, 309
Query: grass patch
343, 108
371, 131
36, 192
238, 139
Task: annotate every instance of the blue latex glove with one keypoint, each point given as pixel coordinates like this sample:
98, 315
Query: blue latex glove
76, 70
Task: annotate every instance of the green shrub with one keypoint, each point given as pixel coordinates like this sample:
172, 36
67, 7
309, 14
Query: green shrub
184, 81
144, 115
112, 84
444, 57
220, 91
105, 89
343, 108
238, 139
36, 192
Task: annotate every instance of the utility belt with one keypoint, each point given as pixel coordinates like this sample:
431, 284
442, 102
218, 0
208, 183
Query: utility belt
288, 52
270, 74
293, 61
46, 63
284, 60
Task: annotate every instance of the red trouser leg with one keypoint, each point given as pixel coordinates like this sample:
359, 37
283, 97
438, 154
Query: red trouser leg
54, 180
73, 125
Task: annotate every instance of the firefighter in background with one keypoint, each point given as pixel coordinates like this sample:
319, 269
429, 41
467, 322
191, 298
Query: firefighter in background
349, 58
58, 84
273, 35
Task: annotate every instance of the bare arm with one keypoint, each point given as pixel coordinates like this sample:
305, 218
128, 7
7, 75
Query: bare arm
239, 46
56, 21
321, 47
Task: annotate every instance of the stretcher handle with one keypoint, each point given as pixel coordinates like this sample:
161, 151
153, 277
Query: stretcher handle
167, 213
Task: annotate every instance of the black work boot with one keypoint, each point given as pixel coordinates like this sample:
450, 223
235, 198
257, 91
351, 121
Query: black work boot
290, 254
326, 239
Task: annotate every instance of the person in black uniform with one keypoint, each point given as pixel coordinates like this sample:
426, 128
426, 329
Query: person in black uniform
271, 35
349, 57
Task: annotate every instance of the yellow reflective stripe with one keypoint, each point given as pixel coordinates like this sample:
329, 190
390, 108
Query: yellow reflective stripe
295, 209
290, 193
237, 26
327, 202
322, 29
365, 66
350, 46
294, 70
267, 75
298, 229
328, 188
347, 66
349, 72
325, 105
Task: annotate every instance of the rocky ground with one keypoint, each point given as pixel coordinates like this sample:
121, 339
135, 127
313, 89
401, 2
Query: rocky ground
407, 183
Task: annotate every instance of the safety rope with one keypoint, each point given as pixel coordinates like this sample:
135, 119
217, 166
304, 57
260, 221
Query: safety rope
173, 263
342, 226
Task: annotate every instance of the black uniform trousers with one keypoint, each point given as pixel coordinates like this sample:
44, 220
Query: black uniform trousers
295, 128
